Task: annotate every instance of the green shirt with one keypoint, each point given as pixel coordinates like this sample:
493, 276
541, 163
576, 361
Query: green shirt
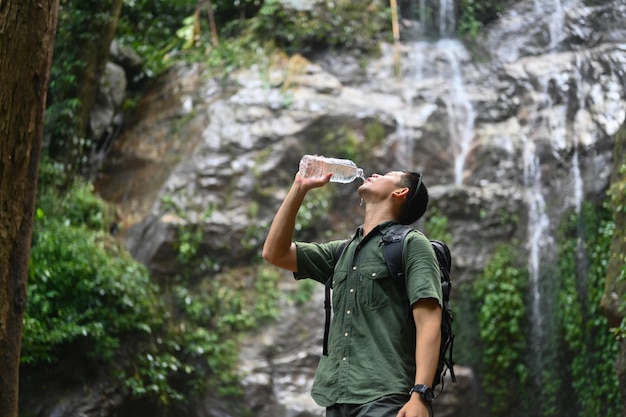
371, 349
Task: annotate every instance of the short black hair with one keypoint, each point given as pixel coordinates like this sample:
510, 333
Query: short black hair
416, 201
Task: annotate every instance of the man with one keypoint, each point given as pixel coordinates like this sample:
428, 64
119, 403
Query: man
375, 358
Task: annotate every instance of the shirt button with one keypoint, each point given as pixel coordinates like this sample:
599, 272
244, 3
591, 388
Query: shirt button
373, 274
348, 312
344, 359
346, 334
351, 289
354, 268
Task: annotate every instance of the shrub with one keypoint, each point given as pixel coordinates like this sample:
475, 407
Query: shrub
500, 293
83, 285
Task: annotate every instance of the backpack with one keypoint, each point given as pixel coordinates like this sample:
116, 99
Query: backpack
393, 241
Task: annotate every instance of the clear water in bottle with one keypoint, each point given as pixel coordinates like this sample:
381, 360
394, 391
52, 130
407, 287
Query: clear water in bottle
343, 170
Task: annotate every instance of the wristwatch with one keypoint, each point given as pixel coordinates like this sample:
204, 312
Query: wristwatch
424, 391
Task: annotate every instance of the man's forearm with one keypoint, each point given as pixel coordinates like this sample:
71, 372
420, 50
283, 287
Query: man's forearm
278, 248
427, 315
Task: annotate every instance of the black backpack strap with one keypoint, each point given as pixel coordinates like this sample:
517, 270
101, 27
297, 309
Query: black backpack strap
447, 343
393, 239
327, 308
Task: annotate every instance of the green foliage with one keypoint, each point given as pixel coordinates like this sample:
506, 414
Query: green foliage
207, 320
616, 270
591, 349
149, 27
375, 134
437, 226
341, 24
79, 31
189, 234
474, 14
344, 141
84, 288
314, 209
89, 297
166, 31
500, 293
304, 291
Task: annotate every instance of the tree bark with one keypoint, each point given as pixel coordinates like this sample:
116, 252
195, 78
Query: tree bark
27, 30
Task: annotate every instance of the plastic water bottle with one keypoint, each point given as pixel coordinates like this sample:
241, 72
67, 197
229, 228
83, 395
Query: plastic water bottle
343, 170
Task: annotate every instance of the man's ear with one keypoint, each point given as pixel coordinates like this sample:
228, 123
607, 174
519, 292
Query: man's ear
401, 192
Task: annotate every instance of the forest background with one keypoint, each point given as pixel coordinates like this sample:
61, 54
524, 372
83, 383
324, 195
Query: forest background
90, 302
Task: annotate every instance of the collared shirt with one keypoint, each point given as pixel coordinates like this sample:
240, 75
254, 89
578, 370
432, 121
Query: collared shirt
371, 347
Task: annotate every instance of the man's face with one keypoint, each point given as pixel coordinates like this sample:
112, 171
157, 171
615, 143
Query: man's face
381, 186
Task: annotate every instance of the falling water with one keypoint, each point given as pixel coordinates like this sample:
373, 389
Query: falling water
556, 19
556, 25
422, 7
442, 60
461, 113
404, 153
538, 223
447, 22
544, 130
578, 181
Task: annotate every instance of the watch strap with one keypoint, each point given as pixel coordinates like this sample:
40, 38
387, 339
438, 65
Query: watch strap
424, 391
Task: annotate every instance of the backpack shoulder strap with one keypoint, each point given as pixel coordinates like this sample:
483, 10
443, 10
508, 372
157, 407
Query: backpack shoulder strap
393, 241
447, 335
445, 264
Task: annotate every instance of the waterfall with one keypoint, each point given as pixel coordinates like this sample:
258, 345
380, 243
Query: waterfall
578, 182
432, 62
447, 23
422, 8
538, 224
556, 20
441, 60
404, 152
461, 113
539, 240
556, 23
578, 135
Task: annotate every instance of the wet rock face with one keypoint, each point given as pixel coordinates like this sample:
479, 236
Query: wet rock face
524, 129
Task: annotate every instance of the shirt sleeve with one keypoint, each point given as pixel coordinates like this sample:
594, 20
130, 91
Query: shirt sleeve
316, 260
421, 269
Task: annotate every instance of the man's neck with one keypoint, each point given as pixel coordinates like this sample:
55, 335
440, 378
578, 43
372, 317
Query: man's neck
375, 215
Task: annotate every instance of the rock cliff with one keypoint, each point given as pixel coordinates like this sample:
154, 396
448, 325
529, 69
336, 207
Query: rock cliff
512, 132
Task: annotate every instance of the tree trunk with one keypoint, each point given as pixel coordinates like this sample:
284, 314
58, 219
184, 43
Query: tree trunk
27, 30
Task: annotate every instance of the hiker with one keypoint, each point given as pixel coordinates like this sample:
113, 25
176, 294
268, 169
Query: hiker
378, 364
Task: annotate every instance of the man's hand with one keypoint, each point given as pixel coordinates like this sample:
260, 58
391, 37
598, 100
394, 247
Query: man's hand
279, 249
414, 408
310, 183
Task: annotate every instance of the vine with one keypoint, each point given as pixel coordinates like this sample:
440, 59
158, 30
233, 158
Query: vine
583, 259
500, 294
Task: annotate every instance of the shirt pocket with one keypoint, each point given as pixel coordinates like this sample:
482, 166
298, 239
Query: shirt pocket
339, 282
375, 286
